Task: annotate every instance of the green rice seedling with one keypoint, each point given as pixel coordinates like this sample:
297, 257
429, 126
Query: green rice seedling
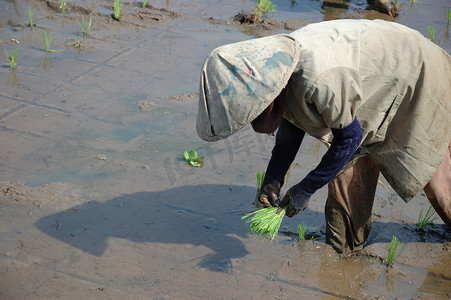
12, 58
393, 251
302, 228
144, 3
260, 178
427, 219
117, 9
30, 17
448, 15
262, 7
63, 7
265, 221
395, 5
431, 31
86, 30
47, 40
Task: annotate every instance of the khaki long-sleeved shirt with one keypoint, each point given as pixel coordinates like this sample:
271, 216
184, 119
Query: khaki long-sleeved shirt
393, 80
396, 83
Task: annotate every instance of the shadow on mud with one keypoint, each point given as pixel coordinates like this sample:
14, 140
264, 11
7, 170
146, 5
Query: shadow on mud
207, 215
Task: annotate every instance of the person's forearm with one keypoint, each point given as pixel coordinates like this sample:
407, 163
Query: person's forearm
344, 144
288, 141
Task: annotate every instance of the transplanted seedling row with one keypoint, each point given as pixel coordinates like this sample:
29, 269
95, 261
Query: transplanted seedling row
47, 37
431, 28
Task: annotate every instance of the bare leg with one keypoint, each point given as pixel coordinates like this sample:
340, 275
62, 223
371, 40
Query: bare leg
349, 206
438, 190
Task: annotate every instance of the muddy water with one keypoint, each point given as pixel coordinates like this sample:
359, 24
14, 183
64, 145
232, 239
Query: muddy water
96, 201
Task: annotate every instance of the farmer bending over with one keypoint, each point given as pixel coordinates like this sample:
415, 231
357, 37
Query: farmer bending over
377, 93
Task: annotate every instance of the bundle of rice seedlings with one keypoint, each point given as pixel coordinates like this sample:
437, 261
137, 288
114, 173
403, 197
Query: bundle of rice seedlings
265, 221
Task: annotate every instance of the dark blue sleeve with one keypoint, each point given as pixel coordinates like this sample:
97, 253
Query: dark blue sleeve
344, 144
288, 141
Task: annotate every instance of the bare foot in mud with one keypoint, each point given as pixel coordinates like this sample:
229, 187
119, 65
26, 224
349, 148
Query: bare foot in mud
246, 17
384, 6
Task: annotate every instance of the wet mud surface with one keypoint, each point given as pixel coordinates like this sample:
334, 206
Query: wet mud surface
96, 201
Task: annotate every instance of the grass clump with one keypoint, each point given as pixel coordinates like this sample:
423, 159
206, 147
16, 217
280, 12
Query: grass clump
427, 219
431, 31
262, 7
265, 221
12, 58
117, 9
30, 17
144, 3
393, 251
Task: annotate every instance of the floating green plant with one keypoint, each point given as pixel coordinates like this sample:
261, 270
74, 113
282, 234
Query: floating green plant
262, 7
30, 17
427, 219
47, 40
63, 7
192, 159
86, 28
77, 44
265, 221
117, 9
431, 31
393, 251
12, 58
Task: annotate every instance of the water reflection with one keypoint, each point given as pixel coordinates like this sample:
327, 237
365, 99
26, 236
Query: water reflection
391, 281
12, 79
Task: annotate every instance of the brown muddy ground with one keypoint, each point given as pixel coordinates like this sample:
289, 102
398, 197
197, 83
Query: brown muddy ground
96, 202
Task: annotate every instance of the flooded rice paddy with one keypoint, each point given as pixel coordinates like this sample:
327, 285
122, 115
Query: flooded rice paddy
96, 201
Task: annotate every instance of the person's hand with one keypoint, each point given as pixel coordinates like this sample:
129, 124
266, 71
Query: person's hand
296, 200
269, 194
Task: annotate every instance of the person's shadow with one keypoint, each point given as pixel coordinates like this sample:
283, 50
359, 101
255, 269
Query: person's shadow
208, 215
